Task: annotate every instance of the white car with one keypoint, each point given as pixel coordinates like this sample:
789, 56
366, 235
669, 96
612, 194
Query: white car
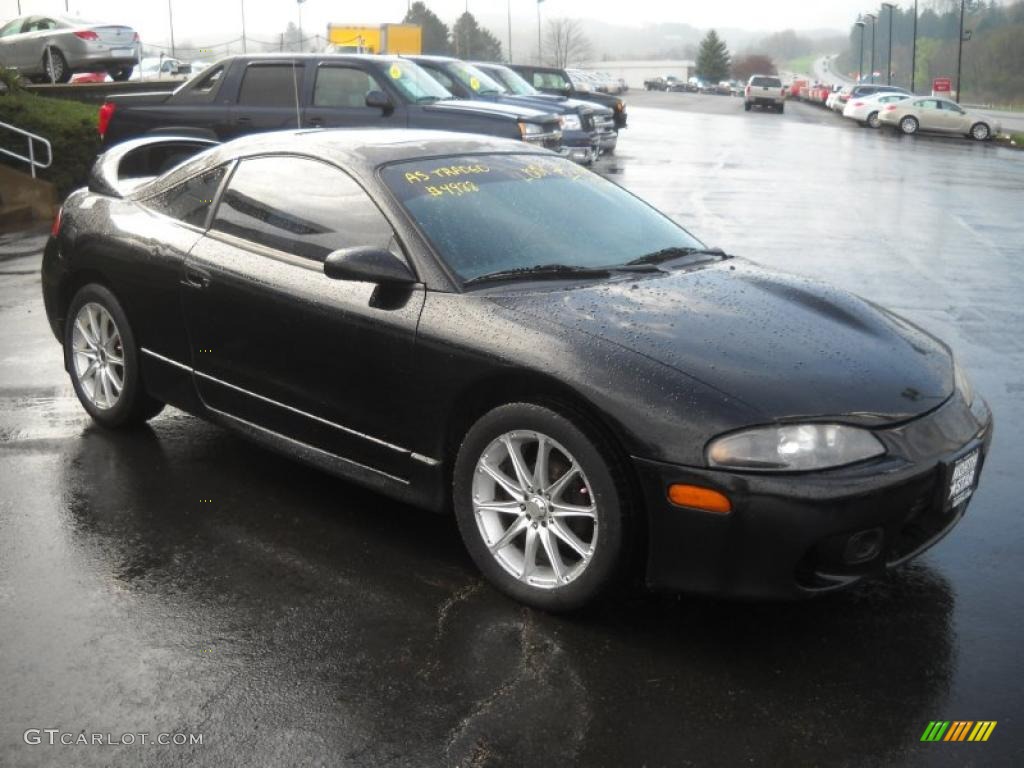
865, 109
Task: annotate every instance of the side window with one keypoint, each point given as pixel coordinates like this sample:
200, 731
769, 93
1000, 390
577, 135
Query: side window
328, 211
342, 87
11, 28
442, 77
927, 104
191, 200
205, 88
270, 85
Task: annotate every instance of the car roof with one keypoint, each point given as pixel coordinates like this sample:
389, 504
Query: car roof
360, 150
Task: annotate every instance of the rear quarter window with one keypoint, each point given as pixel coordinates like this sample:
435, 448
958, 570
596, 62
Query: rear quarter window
766, 82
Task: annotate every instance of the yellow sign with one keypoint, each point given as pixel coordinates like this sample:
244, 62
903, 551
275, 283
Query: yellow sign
474, 83
395, 71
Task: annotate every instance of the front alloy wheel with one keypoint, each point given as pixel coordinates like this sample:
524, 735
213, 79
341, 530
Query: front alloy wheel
534, 509
980, 132
541, 504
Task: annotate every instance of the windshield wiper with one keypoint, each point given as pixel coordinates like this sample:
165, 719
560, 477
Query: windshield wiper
540, 272
667, 254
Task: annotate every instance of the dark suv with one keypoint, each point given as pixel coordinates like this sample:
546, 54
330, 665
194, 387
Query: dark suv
557, 81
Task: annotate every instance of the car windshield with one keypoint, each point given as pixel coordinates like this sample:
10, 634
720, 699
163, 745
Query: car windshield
498, 213
513, 82
473, 78
414, 83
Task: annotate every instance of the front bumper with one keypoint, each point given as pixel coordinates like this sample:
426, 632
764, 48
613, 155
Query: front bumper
551, 140
791, 536
580, 146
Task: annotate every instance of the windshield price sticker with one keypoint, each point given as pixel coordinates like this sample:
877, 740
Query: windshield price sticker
474, 83
395, 72
445, 172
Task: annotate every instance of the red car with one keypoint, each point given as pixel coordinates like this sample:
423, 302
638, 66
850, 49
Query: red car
90, 77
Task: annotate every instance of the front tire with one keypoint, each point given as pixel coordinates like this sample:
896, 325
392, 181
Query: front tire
746, 106
541, 506
980, 132
909, 125
873, 121
102, 358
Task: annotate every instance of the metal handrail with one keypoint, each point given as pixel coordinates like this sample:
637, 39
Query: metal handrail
31, 159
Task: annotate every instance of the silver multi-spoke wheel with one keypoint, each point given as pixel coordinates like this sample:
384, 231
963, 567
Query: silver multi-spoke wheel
980, 132
535, 509
98, 355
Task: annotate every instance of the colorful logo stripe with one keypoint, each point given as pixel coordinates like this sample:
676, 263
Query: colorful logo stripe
958, 730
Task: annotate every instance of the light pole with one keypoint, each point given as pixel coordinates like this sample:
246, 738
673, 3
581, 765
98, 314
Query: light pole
540, 57
874, 19
960, 51
244, 48
860, 64
300, 2
913, 52
888, 60
509, 31
170, 18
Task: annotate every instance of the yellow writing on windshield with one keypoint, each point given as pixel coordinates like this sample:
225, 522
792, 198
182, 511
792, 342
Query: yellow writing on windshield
445, 172
455, 189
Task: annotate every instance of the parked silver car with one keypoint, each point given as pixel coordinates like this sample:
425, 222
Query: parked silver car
53, 48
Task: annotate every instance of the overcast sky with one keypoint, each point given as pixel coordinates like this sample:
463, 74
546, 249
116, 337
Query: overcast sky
200, 19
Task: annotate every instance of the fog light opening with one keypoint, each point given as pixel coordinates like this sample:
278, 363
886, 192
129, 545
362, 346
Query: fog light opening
695, 497
863, 546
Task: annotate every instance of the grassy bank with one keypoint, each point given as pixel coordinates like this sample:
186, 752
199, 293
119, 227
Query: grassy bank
69, 126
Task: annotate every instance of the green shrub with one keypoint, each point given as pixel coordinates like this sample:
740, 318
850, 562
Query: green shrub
69, 126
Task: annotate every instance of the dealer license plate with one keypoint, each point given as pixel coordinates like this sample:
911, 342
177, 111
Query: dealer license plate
962, 479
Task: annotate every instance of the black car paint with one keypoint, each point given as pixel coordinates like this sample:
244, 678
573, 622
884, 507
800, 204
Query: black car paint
613, 102
378, 385
218, 115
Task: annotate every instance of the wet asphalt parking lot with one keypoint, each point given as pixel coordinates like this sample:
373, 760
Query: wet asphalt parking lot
181, 580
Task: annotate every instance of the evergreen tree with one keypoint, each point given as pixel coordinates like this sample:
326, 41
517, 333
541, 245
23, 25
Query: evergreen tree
471, 41
435, 31
713, 60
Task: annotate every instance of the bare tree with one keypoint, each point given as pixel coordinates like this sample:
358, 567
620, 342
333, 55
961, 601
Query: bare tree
566, 43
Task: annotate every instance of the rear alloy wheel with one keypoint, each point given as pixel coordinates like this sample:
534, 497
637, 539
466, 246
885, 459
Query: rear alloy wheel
980, 132
873, 121
538, 507
101, 356
909, 125
55, 66
746, 106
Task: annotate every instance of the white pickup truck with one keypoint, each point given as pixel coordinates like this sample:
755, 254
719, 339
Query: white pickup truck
764, 91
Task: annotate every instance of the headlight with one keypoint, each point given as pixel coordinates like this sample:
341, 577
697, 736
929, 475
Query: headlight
571, 123
963, 384
794, 448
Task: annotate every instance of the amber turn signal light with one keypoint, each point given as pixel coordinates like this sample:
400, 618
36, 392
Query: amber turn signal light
699, 498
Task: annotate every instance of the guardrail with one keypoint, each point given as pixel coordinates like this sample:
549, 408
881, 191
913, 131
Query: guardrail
33, 163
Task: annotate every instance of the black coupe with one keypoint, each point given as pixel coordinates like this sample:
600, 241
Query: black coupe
472, 324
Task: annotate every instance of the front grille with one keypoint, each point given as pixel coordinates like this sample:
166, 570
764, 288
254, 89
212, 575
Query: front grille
604, 124
587, 121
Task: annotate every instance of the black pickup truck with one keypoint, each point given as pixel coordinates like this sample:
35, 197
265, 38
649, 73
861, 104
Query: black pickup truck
557, 81
249, 94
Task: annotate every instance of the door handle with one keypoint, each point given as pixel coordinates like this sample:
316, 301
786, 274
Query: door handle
244, 120
196, 278
316, 122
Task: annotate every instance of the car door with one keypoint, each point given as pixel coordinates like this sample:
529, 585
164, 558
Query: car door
11, 48
278, 344
268, 98
339, 100
954, 119
928, 115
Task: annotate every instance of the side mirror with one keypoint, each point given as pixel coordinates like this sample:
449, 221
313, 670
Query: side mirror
378, 100
368, 264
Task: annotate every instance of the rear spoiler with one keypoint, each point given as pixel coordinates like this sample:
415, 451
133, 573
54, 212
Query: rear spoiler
117, 171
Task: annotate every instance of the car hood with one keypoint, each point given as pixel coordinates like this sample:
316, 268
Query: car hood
785, 346
464, 106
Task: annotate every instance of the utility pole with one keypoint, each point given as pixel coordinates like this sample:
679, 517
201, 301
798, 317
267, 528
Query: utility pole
913, 52
960, 51
509, 31
300, 2
874, 20
888, 60
540, 56
860, 65
170, 17
244, 47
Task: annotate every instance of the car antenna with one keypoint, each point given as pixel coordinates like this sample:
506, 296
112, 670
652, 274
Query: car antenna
295, 84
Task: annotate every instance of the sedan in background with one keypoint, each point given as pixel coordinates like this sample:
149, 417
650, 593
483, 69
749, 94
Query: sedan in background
940, 116
480, 327
53, 48
865, 109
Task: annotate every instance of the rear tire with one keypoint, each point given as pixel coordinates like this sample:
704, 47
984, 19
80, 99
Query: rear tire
781, 108
102, 359
909, 125
550, 534
873, 121
60, 72
746, 106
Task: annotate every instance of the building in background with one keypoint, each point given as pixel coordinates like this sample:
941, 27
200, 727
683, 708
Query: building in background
634, 72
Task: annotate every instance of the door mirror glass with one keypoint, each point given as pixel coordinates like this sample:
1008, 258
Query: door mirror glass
378, 99
368, 264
